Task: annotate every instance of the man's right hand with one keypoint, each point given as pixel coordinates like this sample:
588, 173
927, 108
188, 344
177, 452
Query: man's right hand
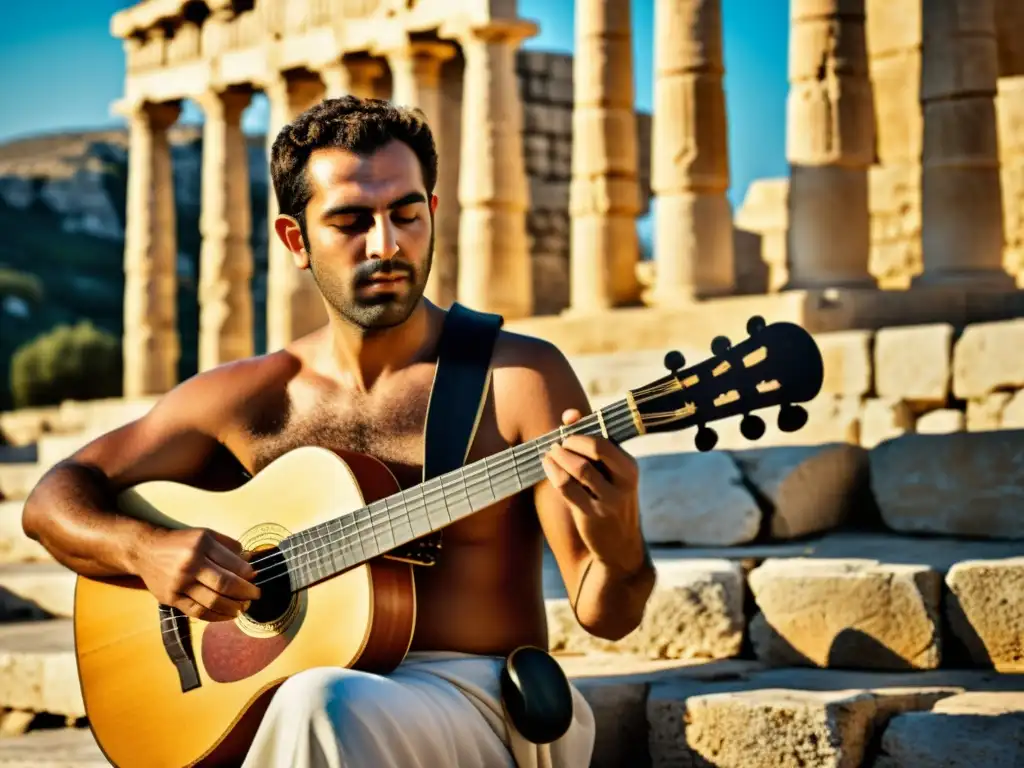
198, 571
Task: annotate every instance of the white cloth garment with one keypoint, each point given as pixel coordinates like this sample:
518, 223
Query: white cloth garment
436, 710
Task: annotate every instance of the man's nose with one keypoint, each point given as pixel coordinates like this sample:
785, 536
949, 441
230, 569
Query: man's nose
381, 243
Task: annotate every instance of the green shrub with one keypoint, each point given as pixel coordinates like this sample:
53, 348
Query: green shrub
21, 284
77, 362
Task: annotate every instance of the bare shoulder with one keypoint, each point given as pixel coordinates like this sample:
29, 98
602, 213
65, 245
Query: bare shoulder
535, 383
223, 395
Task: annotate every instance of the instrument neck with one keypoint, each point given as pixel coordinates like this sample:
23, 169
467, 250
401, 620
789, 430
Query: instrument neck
358, 536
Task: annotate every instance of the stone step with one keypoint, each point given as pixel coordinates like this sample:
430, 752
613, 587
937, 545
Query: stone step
37, 668
15, 546
833, 718
34, 591
52, 748
19, 478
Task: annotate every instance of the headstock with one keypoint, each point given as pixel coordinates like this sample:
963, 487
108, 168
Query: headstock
778, 364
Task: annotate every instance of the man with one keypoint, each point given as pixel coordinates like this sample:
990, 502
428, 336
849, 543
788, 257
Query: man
355, 181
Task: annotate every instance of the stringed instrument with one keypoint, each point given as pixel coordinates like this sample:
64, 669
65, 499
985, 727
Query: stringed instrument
161, 689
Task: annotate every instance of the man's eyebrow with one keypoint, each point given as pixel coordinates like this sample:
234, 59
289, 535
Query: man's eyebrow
341, 210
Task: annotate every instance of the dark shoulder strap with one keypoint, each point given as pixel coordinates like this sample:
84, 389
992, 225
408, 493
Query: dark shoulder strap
457, 400
460, 388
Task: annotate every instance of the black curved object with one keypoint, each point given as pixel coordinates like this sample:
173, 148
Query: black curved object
536, 694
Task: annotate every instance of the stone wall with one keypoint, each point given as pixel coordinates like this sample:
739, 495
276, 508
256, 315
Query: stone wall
547, 92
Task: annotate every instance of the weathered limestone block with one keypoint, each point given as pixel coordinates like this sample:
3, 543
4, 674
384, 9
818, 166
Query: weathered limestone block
968, 730
940, 422
1012, 416
847, 360
984, 359
1010, 119
962, 484
811, 488
860, 614
760, 237
696, 612
696, 498
884, 419
914, 363
773, 727
985, 606
986, 413
895, 200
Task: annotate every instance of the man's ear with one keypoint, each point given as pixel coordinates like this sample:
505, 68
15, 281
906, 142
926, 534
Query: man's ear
433, 204
287, 229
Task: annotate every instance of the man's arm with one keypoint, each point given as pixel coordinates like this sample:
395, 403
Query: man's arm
72, 510
591, 520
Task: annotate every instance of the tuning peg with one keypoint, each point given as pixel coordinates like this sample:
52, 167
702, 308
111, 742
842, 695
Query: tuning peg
792, 418
752, 427
720, 345
706, 439
675, 361
755, 325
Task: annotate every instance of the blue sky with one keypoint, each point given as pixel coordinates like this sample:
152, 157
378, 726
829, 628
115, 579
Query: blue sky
60, 70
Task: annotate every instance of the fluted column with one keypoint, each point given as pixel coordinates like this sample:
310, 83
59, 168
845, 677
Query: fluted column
829, 145
355, 77
689, 154
495, 273
225, 258
294, 305
416, 82
604, 195
961, 198
1010, 118
151, 343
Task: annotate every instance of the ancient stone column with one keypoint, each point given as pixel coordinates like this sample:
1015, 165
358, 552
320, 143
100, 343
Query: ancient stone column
829, 145
355, 77
225, 222
151, 343
894, 181
416, 82
604, 195
961, 198
1010, 119
495, 272
294, 305
693, 249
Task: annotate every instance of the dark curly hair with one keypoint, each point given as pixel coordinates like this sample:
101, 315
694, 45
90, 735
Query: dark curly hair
358, 125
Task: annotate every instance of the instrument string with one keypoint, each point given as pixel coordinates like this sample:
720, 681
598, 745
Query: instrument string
492, 474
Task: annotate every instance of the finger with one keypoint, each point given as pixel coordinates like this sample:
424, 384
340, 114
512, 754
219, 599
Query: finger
191, 607
582, 471
572, 490
233, 562
619, 462
571, 416
214, 601
224, 582
232, 545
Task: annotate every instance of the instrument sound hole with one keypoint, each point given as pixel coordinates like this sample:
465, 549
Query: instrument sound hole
275, 587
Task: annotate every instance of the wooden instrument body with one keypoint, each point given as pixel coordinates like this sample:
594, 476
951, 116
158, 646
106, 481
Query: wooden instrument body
362, 619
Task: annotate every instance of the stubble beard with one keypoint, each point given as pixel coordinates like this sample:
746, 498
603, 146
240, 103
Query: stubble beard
380, 311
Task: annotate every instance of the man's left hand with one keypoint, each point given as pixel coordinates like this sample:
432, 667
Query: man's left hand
600, 482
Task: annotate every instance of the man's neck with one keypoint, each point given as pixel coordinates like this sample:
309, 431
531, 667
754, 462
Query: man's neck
362, 357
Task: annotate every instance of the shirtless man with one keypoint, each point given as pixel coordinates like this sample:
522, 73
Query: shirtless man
355, 181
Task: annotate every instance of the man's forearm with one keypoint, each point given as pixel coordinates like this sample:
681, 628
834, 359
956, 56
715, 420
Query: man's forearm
611, 601
71, 512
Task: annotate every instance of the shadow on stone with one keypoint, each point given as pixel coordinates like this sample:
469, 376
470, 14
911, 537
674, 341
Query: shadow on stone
855, 649
964, 646
13, 607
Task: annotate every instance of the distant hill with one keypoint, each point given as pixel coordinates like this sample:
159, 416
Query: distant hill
62, 212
